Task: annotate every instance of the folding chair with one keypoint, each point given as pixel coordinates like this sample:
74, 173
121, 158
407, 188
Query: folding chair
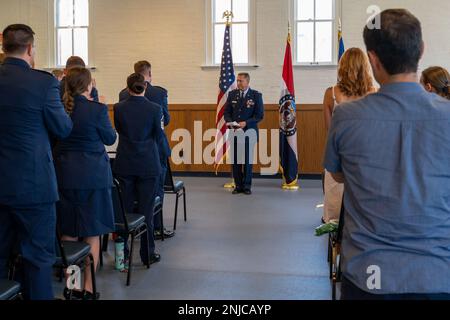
9, 290
70, 253
128, 224
334, 253
177, 188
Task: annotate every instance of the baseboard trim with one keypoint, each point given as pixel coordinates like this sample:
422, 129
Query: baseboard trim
306, 176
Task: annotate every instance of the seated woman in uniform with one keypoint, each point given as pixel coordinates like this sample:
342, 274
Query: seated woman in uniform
137, 164
436, 80
84, 174
354, 82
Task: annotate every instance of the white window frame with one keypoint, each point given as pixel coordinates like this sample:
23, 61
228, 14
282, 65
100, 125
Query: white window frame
337, 13
53, 21
210, 36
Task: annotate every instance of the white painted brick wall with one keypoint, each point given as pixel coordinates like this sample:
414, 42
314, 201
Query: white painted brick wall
171, 34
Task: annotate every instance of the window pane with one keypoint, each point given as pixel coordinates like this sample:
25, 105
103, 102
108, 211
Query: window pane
305, 9
64, 45
81, 43
65, 13
82, 13
219, 31
324, 9
220, 7
240, 10
305, 42
324, 42
240, 43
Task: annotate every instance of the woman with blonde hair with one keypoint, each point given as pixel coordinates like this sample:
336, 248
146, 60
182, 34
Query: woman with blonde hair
354, 82
436, 80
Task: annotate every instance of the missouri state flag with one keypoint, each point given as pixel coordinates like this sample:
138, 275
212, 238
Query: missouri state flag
288, 124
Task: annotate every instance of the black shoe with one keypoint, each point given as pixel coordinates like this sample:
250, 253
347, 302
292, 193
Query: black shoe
154, 258
248, 192
90, 296
167, 234
237, 191
72, 294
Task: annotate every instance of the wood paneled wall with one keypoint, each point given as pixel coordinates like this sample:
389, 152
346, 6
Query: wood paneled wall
311, 133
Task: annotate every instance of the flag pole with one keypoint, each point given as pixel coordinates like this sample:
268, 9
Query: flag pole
230, 185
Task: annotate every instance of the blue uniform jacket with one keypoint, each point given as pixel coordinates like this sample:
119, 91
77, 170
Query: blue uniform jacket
30, 110
81, 160
159, 96
249, 109
138, 122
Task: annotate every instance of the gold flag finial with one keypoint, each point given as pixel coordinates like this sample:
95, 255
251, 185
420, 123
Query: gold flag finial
229, 16
289, 31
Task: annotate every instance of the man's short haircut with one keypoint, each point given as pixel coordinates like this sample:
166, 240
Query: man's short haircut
142, 67
398, 42
75, 62
17, 38
245, 75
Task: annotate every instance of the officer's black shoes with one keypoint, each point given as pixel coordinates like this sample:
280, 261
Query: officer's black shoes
248, 192
154, 258
72, 294
90, 296
167, 234
238, 191
80, 295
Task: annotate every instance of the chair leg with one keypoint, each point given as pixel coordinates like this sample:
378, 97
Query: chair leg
162, 223
130, 259
184, 204
176, 213
105, 242
148, 248
333, 291
94, 282
101, 252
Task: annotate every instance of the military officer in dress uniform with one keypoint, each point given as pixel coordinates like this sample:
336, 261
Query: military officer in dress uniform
30, 111
243, 111
159, 96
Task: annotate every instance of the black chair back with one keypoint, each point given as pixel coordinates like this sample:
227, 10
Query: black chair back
169, 184
340, 230
118, 207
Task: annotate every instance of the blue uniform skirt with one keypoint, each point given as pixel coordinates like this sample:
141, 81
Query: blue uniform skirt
85, 213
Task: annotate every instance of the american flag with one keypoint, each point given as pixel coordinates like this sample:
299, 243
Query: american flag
226, 85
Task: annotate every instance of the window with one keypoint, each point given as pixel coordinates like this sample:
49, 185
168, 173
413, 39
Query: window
240, 30
72, 26
315, 29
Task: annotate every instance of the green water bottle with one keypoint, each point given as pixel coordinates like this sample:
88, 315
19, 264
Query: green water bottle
120, 254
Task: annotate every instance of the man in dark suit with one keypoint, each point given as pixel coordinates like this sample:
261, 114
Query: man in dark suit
74, 62
243, 111
159, 96
30, 111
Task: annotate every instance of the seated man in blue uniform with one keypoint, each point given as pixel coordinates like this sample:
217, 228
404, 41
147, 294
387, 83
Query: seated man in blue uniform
243, 111
159, 96
77, 62
30, 111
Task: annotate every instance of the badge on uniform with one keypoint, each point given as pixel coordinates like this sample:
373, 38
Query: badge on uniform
250, 103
